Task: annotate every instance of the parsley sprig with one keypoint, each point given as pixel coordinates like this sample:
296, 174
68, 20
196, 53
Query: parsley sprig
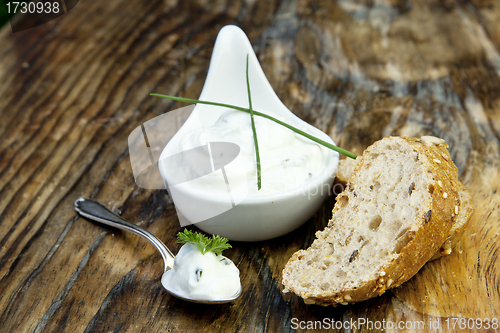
216, 244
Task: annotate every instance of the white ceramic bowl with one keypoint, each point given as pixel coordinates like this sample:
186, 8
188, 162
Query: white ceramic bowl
251, 217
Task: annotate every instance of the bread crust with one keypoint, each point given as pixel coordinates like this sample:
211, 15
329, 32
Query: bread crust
429, 231
464, 212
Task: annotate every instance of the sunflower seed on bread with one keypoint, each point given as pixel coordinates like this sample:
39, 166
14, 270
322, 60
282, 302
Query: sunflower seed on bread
398, 209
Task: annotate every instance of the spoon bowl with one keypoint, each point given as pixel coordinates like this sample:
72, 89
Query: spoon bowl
96, 211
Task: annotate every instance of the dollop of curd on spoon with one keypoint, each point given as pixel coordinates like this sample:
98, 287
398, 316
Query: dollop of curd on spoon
202, 276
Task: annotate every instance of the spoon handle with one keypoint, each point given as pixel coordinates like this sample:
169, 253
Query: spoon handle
98, 212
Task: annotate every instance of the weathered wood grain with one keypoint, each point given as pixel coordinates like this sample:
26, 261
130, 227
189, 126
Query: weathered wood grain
72, 90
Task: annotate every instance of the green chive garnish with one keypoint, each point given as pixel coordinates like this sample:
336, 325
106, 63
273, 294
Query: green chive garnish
257, 155
260, 114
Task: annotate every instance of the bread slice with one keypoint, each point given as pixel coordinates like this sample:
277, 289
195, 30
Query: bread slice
399, 207
346, 168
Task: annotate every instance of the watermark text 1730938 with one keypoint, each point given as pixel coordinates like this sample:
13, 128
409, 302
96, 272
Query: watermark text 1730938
32, 7
30, 13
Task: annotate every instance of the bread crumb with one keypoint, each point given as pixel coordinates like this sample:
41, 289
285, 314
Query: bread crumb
437, 161
440, 183
445, 195
432, 139
456, 210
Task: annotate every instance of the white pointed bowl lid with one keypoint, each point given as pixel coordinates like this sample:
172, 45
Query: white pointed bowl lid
226, 78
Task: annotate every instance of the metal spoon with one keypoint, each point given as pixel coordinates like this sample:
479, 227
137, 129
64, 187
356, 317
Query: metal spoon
98, 212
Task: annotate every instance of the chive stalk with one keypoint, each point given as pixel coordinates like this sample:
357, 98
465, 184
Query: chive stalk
263, 115
257, 155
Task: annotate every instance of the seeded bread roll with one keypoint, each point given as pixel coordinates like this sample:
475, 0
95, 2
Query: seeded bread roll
399, 207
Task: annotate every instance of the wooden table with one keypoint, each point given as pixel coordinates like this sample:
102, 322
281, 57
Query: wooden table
73, 89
